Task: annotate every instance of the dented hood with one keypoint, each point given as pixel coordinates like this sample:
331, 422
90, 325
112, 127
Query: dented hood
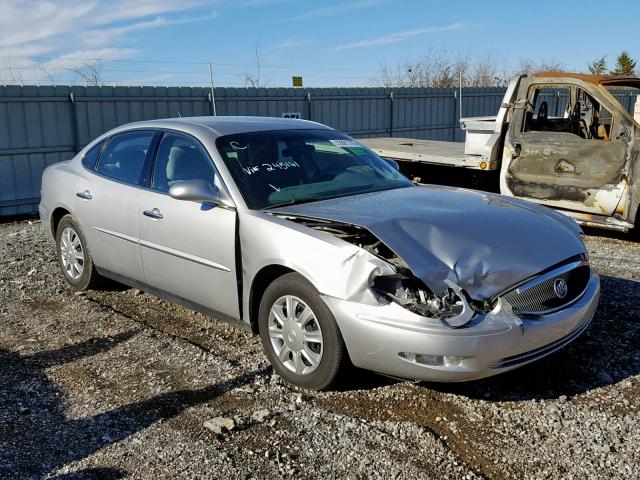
483, 242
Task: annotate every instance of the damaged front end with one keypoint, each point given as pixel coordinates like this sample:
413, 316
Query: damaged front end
454, 308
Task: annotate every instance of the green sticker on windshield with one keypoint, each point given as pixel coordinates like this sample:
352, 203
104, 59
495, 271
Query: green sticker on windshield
357, 150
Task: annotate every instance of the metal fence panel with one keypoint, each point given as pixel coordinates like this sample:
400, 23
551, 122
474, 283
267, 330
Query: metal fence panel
41, 125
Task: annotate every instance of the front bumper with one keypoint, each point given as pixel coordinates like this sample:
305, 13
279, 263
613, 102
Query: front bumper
492, 343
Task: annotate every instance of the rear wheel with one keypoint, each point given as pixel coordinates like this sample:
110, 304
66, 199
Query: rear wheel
73, 255
299, 334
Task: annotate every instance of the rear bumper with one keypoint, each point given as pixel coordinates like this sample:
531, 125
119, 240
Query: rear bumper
45, 221
493, 343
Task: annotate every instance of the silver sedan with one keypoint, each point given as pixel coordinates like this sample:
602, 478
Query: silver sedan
299, 233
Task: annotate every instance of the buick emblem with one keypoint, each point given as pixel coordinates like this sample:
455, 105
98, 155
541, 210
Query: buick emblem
560, 287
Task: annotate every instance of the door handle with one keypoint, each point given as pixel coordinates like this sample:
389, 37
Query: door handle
86, 195
155, 213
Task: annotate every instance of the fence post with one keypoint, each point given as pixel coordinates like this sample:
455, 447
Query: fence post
391, 114
310, 116
74, 122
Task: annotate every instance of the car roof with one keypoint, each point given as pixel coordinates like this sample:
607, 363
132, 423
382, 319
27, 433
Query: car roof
228, 125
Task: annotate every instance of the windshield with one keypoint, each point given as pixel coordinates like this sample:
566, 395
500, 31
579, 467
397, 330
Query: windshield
294, 166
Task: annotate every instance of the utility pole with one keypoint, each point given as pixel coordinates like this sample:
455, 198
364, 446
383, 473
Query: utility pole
213, 96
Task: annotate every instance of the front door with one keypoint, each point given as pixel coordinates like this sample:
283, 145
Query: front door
568, 149
188, 248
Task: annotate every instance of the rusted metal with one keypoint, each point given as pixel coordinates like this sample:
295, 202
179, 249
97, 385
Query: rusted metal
620, 80
593, 177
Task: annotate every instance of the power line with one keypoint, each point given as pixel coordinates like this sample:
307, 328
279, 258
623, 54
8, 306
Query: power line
60, 70
150, 83
180, 62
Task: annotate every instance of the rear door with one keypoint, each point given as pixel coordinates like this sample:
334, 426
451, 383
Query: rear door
107, 202
188, 248
568, 148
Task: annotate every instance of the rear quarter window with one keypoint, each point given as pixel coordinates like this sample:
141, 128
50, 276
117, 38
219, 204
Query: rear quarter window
91, 157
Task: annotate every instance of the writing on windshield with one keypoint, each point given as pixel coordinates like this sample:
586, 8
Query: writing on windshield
280, 166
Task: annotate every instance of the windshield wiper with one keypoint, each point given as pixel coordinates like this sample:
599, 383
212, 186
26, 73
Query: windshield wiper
291, 201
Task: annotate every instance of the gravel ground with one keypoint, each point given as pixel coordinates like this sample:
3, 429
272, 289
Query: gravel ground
117, 383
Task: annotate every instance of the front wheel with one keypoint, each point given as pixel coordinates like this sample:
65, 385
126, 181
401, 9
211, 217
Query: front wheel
299, 334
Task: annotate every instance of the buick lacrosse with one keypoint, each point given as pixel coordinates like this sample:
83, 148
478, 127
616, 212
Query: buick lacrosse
298, 232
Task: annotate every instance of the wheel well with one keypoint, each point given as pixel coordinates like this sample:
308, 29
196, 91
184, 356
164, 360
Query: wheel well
261, 281
56, 216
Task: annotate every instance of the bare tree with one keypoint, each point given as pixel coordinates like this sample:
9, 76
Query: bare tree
9, 73
442, 68
253, 79
90, 73
486, 71
529, 66
598, 66
46, 75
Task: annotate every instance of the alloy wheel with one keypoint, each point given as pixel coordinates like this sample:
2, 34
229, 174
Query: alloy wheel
295, 335
71, 253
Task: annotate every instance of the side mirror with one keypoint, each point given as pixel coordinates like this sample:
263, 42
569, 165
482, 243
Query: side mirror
199, 191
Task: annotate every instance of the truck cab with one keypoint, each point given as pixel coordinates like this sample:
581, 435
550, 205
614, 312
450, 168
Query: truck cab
570, 144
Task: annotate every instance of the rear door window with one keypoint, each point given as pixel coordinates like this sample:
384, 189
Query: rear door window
125, 155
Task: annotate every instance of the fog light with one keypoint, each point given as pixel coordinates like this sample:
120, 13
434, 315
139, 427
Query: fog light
452, 360
432, 360
483, 165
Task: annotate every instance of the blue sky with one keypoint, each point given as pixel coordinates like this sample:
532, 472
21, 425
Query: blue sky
330, 43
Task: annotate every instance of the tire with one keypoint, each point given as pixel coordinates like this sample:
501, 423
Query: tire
634, 233
73, 255
308, 363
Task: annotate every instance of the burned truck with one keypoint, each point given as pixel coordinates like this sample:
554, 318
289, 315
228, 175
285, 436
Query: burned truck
563, 140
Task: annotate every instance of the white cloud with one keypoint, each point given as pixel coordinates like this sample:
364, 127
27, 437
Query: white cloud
293, 42
333, 10
74, 34
105, 36
259, 3
45, 26
398, 36
85, 56
122, 10
25, 22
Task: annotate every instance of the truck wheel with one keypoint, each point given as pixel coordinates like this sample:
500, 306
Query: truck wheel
73, 255
299, 334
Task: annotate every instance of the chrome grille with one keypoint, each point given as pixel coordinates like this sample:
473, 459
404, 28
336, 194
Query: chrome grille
539, 296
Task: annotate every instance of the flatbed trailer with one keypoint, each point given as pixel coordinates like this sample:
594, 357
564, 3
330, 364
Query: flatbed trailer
432, 152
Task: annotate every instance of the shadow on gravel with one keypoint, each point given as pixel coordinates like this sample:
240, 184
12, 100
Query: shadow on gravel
36, 438
94, 474
358, 379
630, 236
18, 218
608, 352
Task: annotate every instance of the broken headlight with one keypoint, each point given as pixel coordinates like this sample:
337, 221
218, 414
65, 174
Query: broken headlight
452, 308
